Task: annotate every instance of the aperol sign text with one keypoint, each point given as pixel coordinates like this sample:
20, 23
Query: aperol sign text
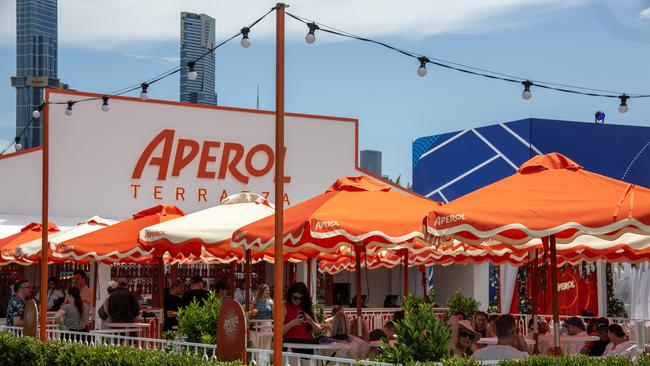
234, 161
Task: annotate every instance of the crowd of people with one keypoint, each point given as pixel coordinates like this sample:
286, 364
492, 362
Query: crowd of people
301, 326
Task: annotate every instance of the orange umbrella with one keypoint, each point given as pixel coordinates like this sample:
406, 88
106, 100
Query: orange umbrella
355, 212
549, 197
119, 242
28, 233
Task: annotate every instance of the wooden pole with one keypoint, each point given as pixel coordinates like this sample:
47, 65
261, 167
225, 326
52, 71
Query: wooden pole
406, 273
159, 294
44, 219
278, 314
247, 285
425, 285
309, 263
556, 311
357, 290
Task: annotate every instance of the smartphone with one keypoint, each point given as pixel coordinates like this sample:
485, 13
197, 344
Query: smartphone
301, 314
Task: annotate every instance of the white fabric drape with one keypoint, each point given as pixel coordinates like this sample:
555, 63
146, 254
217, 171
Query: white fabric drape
507, 279
640, 291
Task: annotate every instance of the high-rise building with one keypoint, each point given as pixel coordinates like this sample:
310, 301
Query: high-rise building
371, 161
197, 37
36, 64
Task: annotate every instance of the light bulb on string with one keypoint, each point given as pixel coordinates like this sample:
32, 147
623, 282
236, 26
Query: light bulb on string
245, 41
191, 74
143, 94
105, 106
526, 94
623, 106
17, 146
310, 37
422, 70
37, 112
68, 111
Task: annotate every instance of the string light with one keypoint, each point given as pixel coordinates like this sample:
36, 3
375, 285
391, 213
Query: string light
105, 106
310, 37
245, 42
18, 146
191, 74
599, 117
422, 70
143, 93
526, 94
37, 112
623, 106
68, 111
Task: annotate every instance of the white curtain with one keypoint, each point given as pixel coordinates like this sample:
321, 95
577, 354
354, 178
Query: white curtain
640, 291
507, 279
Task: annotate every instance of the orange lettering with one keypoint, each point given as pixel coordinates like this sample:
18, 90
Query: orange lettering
224, 195
157, 191
181, 160
206, 158
203, 194
167, 138
264, 149
266, 195
232, 164
180, 192
286, 199
135, 190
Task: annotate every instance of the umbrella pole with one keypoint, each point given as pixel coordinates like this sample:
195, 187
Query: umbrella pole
357, 290
278, 315
44, 219
423, 269
95, 281
247, 269
309, 263
406, 273
556, 312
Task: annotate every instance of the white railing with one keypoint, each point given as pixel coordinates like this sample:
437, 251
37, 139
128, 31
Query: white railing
264, 357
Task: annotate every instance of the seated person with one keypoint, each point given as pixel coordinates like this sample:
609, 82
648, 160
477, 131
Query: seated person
575, 327
543, 343
491, 330
350, 346
618, 341
386, 332
327, 323
463, 338
354, 329
597, 348
506, 332
480, 323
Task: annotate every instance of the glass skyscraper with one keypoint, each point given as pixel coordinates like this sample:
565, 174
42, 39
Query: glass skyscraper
36, 61
197, 37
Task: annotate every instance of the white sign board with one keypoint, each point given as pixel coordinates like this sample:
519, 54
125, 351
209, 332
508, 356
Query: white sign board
143, 153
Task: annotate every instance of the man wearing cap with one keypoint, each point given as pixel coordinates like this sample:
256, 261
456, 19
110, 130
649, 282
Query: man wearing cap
506, 332
575, 327
597, 348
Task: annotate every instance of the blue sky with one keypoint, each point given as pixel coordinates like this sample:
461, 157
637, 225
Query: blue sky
602, 44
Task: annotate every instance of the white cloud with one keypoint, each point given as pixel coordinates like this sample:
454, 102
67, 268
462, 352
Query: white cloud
110, 23
645, 14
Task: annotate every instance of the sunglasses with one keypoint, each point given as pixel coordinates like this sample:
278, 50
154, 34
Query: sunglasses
465, 334
296, 298
26, 287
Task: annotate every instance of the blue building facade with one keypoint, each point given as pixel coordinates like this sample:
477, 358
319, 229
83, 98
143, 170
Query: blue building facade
450, 165
36, 63
197, 37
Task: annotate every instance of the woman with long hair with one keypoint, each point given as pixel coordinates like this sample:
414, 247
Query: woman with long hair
70, 316
262, 308
299, 324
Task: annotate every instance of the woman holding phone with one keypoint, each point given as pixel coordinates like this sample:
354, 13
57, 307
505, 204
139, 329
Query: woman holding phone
299, 324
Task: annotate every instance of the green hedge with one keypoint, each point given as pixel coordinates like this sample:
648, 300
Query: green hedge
546, 361
16, 351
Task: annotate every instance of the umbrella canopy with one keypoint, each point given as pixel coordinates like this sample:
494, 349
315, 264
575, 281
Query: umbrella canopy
32, 250
28, 233
205, 235
118, 242
549, 195
353, 211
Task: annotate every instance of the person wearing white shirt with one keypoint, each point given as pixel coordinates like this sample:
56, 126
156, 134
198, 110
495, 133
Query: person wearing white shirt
506, 332
54, 296
576, 327
618, 341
